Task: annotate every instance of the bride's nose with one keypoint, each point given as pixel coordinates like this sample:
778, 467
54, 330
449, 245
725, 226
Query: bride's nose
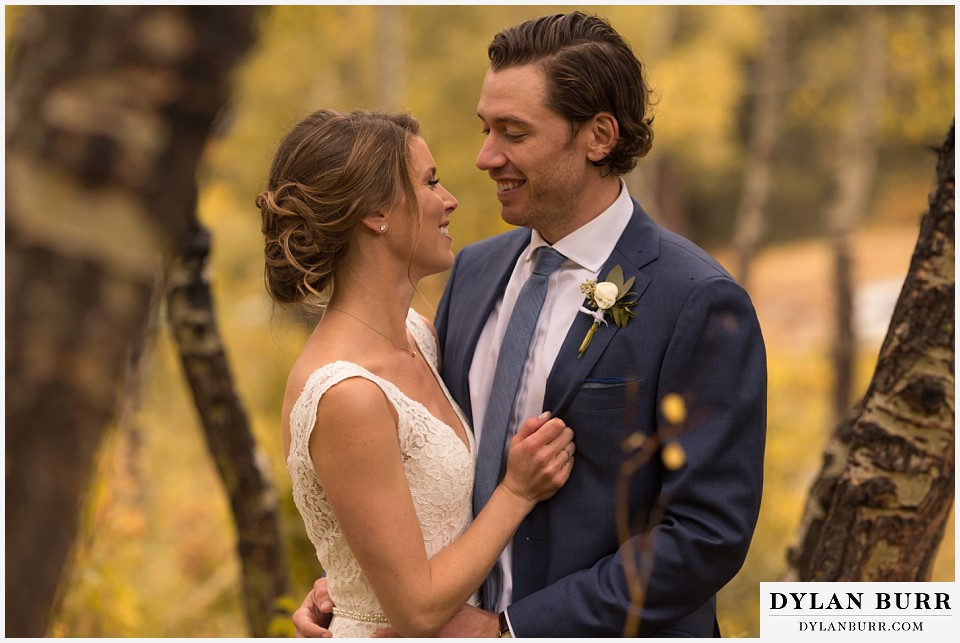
449, 201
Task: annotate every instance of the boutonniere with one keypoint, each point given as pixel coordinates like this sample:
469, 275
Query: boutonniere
611, 295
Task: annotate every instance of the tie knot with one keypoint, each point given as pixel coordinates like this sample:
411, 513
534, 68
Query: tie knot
547, 261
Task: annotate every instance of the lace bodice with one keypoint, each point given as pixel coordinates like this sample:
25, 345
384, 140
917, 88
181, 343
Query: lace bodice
438, 465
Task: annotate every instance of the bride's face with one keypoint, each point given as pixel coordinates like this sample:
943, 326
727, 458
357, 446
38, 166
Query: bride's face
432, 253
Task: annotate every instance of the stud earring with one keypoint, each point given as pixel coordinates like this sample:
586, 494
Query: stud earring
383, 228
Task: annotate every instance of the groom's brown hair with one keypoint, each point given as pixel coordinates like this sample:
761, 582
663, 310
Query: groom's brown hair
589, 69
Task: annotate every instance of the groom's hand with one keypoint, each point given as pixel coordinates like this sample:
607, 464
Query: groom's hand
312, 618
469, 622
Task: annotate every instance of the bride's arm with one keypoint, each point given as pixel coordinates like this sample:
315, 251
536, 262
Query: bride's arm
356, 453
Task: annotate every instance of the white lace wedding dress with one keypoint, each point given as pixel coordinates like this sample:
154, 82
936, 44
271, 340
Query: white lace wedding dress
439, 469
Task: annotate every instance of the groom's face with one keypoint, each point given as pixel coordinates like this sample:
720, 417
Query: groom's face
540, 167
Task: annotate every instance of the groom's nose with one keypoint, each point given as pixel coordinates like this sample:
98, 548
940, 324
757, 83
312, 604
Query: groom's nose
490, 156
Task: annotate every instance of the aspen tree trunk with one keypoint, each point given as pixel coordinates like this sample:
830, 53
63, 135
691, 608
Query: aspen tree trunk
242, 466
879, 506
108, 109
856, 158
646, 181
750, 223
391, 58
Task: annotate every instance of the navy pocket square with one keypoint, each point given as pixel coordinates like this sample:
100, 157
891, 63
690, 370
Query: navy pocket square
603, 382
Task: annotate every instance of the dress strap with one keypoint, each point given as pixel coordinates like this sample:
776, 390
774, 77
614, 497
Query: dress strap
303, 415
423, 335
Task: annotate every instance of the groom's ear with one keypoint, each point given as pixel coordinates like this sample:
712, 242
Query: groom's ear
604, 131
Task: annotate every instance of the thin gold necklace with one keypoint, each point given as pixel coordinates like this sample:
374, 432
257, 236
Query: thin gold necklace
407, 348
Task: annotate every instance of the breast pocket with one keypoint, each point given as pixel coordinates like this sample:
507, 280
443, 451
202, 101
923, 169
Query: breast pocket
603, 413
608, 395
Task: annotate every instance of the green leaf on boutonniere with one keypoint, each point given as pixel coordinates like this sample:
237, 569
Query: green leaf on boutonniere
615, 311
615, 276
625, 315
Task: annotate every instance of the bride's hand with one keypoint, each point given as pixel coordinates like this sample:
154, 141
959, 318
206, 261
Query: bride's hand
540, 458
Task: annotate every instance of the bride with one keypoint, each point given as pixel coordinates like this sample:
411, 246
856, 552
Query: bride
380, 456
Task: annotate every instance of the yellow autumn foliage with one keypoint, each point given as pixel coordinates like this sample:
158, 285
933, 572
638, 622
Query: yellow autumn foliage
156, 557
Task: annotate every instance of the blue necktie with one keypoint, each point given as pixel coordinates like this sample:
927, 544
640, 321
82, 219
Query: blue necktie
495, 434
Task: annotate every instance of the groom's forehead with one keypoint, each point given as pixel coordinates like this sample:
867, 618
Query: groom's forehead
523, 82
514, 97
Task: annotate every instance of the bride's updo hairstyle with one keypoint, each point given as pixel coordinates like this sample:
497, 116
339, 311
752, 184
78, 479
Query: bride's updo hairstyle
331, 170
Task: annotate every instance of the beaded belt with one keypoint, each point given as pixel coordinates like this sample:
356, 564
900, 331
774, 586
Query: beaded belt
364, 617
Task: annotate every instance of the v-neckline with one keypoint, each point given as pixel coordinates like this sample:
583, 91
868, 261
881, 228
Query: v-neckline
465, 441
410, 326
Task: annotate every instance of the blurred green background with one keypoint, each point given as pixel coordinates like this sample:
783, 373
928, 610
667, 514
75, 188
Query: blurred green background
156, 556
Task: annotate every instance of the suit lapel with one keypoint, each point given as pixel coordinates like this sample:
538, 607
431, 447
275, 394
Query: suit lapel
638, 245
483, 289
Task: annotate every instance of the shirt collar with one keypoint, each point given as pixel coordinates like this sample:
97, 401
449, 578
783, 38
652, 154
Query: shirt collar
591, 244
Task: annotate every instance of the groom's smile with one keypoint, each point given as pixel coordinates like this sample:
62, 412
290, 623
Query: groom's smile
507, 186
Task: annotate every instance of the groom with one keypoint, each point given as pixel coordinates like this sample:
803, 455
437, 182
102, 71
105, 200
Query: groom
669, 492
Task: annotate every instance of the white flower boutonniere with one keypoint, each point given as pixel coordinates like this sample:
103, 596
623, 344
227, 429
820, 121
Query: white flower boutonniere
611, 295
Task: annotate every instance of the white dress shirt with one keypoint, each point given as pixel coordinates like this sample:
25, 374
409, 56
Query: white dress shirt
586, 249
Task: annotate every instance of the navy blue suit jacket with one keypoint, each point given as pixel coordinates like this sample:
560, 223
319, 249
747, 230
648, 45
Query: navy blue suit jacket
696, 334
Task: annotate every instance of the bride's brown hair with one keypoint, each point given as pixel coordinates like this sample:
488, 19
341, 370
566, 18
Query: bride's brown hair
331, 169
